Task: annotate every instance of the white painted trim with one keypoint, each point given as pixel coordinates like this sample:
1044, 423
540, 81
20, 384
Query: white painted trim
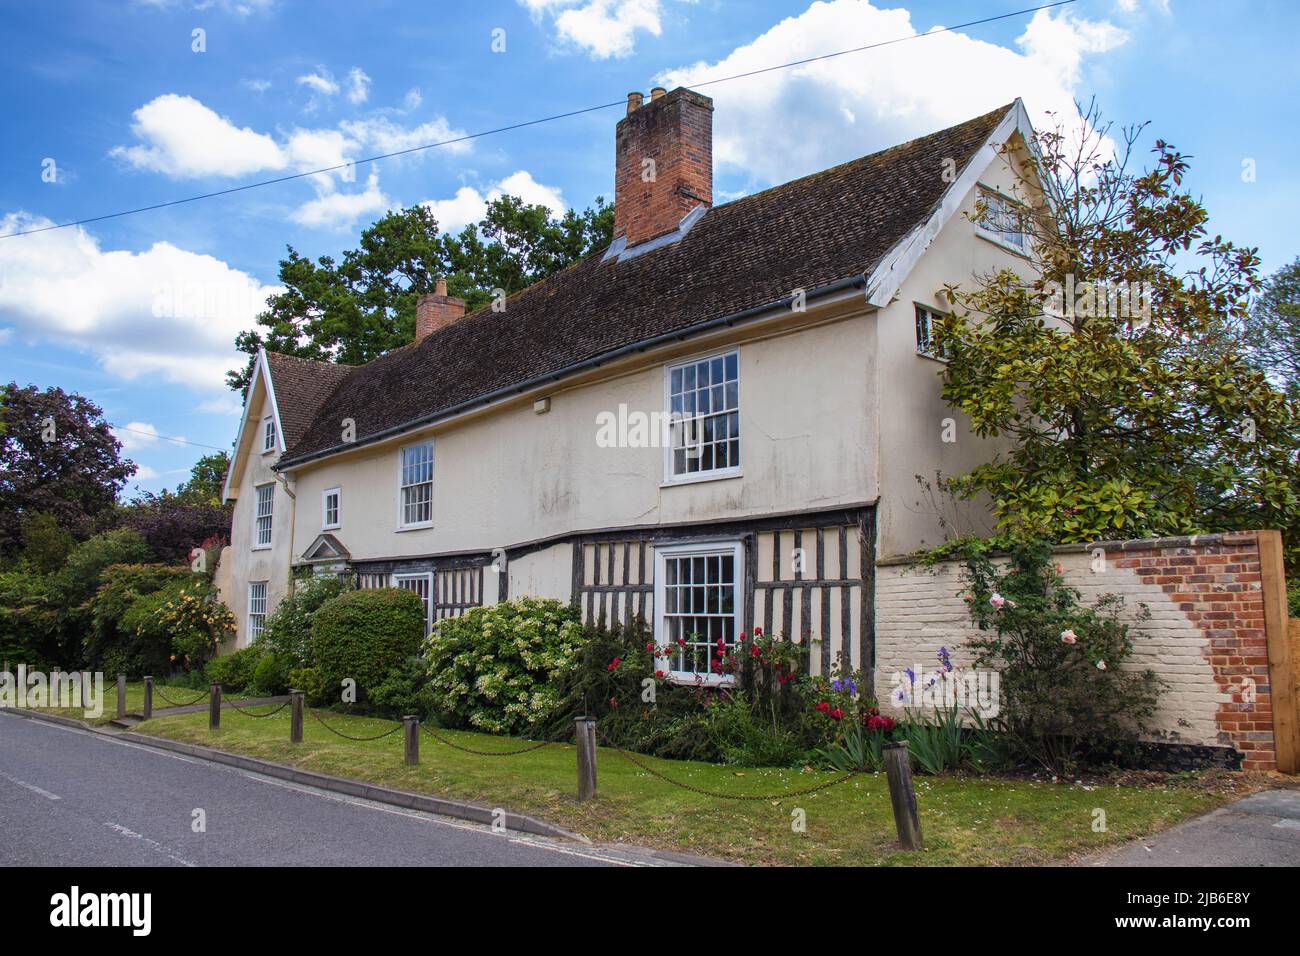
433, 464
257, 546
733, 471
720, 546
324, 509
262, 370
249, 636
888, 276
427, 577
262, 430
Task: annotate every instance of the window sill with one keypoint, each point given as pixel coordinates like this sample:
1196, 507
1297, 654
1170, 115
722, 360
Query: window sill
933, 358
262, 547
330, 527
703, 476
1002, 244
687, 679
422, 526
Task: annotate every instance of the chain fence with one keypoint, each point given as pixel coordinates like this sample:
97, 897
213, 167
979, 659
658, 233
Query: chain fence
717, 794
248, 713
157, 689
484, 753
339, 733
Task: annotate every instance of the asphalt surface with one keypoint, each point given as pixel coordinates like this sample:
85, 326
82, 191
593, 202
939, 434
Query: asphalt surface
76, 798
1260, 830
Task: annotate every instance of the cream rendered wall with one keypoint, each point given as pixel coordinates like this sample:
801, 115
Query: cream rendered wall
514, 476
907, 385
546, 573
247, 563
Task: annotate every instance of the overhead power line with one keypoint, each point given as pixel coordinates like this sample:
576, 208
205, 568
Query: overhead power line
179, 441
534, 122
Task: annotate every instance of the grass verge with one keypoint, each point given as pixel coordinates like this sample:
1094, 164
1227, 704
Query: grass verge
972, 821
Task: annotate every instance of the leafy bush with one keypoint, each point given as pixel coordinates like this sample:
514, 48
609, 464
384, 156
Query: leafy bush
192, 612
234, 671
29, 622
365, 635
287, 631
405, 691
311, 682
270, 677
123, 585
1066, 695
71, 589
495, 668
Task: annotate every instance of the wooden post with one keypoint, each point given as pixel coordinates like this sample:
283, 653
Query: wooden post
586, 737
214, 707
902, 795
148, 698
295, 716
411, 727
121, 696
1281, 666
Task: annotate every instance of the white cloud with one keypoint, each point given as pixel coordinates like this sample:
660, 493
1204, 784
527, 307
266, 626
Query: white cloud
256, 85
241, 8
136, 435
413, 99
335, 210
383, 135
163, 312
603, 28
227, 405
469, 204
322, 83
145, 473
772, 127
186, 139
182, 138
358, 85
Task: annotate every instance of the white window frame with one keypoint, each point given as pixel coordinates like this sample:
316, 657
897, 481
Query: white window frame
325, 522
258, 545
269, 436
988, 195
662, 553
402, 524
255, 630
713, 474
932, 314
427, 578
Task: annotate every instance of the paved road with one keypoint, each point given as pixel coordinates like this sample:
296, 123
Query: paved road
1260, 830
71, 797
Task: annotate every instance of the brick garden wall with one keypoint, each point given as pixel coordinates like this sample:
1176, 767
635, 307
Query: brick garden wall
1205, 636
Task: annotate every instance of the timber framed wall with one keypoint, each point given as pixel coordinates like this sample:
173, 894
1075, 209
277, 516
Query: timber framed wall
808, 577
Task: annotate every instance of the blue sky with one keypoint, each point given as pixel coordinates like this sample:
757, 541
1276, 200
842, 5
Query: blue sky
111, 102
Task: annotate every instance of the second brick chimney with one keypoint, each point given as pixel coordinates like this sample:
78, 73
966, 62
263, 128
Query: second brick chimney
663, 162
436, 310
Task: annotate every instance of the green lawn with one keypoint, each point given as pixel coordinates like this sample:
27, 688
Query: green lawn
970, 821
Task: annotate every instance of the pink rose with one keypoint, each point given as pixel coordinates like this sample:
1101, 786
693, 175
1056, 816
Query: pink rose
1101, 665
997, 600
1069, 637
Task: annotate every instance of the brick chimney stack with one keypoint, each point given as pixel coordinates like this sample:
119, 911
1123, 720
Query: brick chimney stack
663, 162
436, 310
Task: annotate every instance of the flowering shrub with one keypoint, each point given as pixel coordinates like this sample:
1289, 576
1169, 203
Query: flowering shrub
1066, 695
198, 620
495, 668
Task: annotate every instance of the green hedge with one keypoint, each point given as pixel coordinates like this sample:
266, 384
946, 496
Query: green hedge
366, 635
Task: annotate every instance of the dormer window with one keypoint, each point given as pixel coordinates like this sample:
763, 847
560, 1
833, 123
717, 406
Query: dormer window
268, 434
1002, 219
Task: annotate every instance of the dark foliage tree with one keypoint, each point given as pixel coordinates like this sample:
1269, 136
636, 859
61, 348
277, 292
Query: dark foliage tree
57, 457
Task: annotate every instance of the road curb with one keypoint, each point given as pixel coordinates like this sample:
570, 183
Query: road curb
516, 822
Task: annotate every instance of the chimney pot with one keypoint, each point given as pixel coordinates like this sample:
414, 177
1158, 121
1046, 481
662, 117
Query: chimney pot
663, 163
440, 287
634, 101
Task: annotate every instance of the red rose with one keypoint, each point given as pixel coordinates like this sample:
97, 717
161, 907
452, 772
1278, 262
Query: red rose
650, 646
758, 631
837, 714
659, 674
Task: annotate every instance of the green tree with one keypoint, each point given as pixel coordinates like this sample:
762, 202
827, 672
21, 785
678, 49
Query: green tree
57, 457
1272, 329
1121, 416
356, 308
207, 477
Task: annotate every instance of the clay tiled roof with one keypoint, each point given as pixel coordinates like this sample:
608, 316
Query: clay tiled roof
811, 232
